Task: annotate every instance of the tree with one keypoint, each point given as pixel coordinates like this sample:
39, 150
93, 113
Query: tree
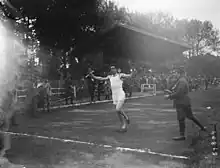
84, 20
200, 35
214, 42
50, 28
159, 23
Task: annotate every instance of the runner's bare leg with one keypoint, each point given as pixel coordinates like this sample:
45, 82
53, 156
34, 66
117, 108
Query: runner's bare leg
120, 113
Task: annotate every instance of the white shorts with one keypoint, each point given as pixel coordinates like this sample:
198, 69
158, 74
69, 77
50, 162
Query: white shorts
118, 98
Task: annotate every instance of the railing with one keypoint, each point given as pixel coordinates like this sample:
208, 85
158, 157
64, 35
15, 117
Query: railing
80, 94
57, 91
151, 87
22, 94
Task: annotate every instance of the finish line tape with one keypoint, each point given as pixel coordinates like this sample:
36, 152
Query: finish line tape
148, 151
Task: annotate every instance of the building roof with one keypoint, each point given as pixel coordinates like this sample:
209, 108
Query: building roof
144, 32
138, 41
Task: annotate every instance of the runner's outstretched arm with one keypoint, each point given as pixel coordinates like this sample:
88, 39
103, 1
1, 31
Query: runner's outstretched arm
99, 78
127, 75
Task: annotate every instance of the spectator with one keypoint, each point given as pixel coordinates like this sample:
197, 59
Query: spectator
91, 86
127, 86
48, 94
99, 89
107, 90
32, 100
41, 95
80, 89
206, 83
68, 90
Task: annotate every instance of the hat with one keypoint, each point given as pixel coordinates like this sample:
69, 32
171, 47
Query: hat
112, 67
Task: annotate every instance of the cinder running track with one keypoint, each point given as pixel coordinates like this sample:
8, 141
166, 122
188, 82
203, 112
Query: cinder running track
87, 137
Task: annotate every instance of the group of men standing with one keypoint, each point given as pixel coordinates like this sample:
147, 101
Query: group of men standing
38, 96
94, 87
44, 92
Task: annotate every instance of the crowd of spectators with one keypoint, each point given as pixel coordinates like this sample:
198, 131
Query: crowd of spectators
99, 90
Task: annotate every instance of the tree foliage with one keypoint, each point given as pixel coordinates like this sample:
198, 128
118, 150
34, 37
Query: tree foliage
63, 26
200, 35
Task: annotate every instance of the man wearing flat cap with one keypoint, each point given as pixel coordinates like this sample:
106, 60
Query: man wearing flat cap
182, 103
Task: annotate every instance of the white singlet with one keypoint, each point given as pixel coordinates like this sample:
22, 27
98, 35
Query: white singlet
118, 94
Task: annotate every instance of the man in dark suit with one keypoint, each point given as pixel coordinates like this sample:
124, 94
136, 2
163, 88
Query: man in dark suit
172, 79
69, 90
206, 80
183, 104
91, 86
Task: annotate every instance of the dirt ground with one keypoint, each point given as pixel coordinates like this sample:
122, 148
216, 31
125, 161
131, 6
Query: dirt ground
87, 137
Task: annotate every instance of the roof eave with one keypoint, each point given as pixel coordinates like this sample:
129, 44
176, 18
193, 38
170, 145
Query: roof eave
138, 30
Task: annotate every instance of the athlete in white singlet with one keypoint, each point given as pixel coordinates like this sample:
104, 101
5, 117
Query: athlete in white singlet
118, 94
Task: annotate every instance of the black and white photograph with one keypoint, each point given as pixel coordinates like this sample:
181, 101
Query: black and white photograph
109, 83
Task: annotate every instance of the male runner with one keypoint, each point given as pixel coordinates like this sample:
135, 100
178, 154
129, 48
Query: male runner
118, 94
183, 104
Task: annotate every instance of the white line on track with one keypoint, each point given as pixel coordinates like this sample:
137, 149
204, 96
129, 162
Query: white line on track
148, 151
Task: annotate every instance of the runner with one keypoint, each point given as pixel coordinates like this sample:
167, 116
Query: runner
118, 94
